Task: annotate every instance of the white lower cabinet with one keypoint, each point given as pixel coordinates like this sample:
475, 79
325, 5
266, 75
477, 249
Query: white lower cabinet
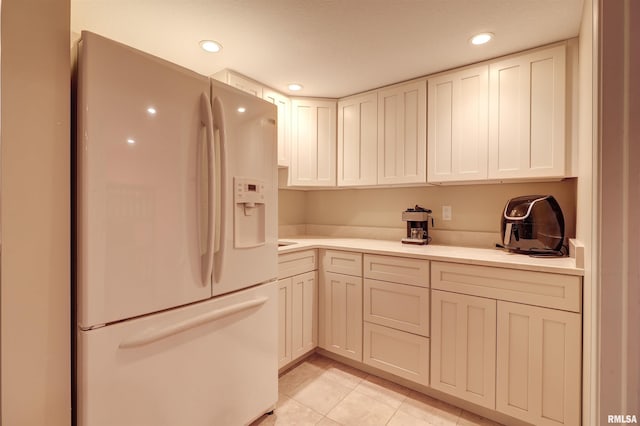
410, 317
298, 305
538, 364
396, 315
304, 311
341, 314
463, 347
284, 322
298, 310
531, 353
403, 354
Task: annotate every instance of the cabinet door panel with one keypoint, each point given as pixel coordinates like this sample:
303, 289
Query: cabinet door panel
313, 143
471, 133
440, 129
304, 311
510, 111
284, 322
357, 140
402, 137
409, 151
538, 364
463, 351
326, 138
283, 104
527, 115
341, 314
542, 116
458, 125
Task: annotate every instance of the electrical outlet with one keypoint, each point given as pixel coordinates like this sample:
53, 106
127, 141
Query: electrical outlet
446, 212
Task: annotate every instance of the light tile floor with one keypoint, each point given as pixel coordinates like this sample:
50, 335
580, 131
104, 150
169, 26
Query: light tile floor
320, 391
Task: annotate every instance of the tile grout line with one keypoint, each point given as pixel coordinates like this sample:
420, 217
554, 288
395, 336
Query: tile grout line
359, 381
343, 398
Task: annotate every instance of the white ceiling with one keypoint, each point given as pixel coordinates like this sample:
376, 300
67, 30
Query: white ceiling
333, 47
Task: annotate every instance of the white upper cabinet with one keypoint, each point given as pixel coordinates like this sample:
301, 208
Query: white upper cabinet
284, 123
313, 142
505, 119
239, 81
402, 134
282, 102
458, 125
527, 115
358, 140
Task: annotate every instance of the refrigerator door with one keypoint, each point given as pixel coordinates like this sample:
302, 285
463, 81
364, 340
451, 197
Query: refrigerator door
143, 186
247, 215
210, 363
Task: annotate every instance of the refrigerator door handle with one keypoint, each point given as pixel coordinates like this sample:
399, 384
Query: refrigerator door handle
221, 183
153, 334
206, 119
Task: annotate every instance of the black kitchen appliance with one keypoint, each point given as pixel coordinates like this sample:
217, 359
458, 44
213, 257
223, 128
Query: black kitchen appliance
533, 224
417, 219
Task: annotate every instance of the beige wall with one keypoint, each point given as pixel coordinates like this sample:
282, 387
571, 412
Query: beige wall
291, 207
34, 194
474, 207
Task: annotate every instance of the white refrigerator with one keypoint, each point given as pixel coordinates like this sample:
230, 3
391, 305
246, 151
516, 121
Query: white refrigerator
176, 225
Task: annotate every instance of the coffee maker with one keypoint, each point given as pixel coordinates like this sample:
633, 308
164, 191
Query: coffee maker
417, 219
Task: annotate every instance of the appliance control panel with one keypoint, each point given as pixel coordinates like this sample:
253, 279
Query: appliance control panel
248, 191
249, 212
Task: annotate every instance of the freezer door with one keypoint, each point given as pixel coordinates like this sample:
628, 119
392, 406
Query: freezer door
142, 183
211, 363
247, 216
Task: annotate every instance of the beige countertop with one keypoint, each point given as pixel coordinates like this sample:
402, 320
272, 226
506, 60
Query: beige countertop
468, 255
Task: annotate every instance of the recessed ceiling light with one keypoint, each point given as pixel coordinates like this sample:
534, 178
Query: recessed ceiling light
295, 87
242, 109
151, 110
211, 46
131, 141
481, 38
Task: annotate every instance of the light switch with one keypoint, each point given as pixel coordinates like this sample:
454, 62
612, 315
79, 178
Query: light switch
446, 212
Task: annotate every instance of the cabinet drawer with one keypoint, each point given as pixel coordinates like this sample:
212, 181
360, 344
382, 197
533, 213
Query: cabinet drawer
295, 263
397, 352
342, 262
532, 288
399, 306
397, 269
